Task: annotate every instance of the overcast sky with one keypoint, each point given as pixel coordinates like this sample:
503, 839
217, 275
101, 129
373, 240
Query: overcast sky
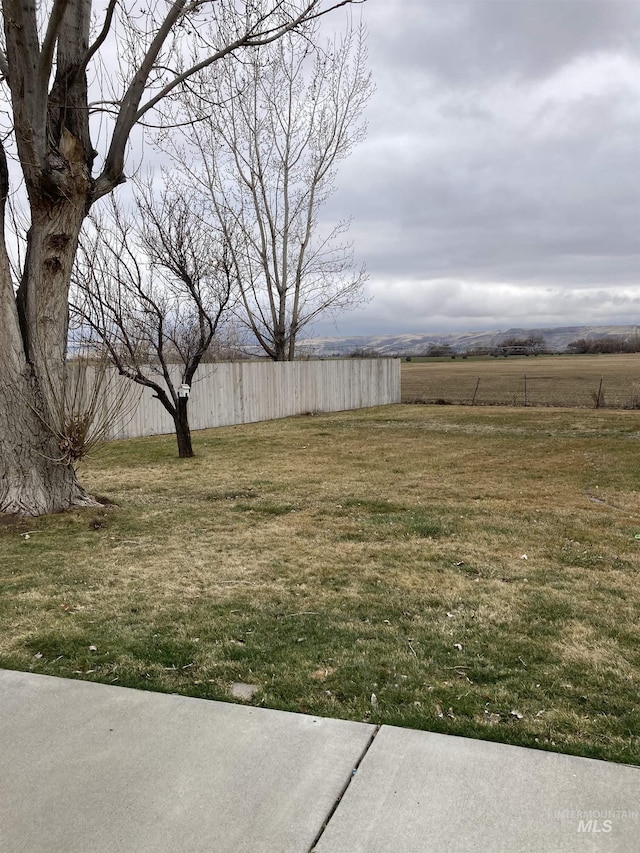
499, 184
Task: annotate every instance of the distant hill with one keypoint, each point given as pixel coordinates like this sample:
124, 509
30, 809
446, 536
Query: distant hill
556, 340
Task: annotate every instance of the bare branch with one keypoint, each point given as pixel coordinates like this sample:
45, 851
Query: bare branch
4, 65
45, 60
4, 189
22, 52
114, 161
267, 163
250, 39
155, 293
131, 111
100, 39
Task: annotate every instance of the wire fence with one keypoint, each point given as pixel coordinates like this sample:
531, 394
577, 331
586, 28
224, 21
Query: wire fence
589, 390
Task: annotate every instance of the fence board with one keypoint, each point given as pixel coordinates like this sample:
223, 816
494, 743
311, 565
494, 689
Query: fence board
224, 394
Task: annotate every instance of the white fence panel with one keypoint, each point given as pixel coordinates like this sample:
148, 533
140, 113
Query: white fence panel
245, 392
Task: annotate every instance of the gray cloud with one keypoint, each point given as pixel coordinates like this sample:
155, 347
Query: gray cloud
501, 173
464, 43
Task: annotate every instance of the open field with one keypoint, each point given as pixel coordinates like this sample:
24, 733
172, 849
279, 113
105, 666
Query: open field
556, 380
464, 570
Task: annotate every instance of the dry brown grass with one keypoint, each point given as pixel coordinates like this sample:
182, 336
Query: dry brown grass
329, 557
550, 381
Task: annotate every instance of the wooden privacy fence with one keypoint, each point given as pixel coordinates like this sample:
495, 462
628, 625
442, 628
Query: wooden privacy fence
244, 392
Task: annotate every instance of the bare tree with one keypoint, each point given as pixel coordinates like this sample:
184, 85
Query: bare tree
264, 140
45, 57
152, 290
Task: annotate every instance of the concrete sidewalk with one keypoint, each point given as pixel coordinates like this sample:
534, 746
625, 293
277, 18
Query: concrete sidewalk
89, 768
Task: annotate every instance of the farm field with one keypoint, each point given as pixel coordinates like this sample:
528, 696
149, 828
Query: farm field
557, 380
465, 570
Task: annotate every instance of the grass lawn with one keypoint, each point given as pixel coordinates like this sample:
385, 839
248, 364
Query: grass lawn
464, 570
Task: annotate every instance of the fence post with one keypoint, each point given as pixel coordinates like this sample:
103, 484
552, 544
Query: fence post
473, 401
525, 389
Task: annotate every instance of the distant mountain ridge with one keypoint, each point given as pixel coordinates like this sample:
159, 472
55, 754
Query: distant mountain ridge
556, 339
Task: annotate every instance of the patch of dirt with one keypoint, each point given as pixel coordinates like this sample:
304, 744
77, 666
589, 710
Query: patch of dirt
13, 523
104, 501
322, 673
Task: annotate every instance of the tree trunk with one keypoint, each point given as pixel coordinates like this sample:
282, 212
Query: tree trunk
35, 476
43, 295
53, 143
280, 349
33, 479
183, 433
